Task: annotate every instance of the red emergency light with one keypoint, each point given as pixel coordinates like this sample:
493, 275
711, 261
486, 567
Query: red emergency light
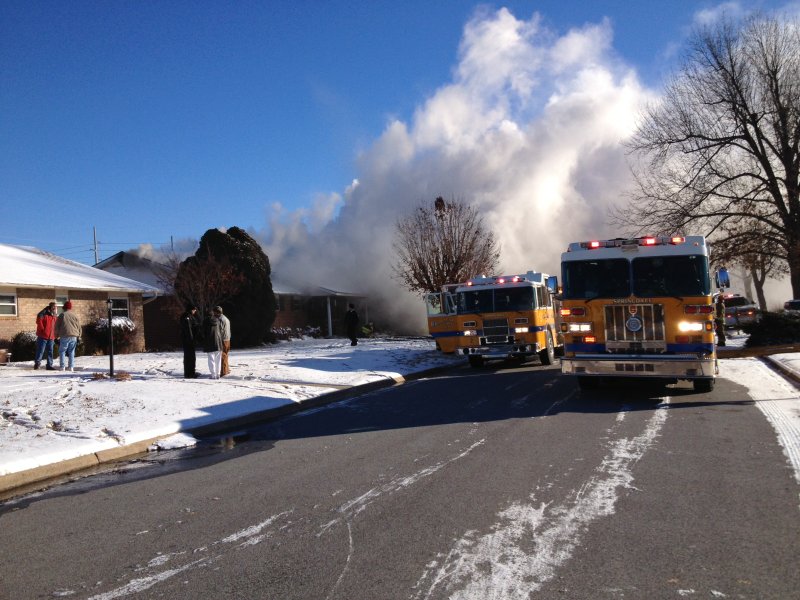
649, 241
698, 309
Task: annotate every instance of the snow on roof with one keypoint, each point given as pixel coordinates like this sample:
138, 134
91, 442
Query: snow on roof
25, 266
284, 289
281, 287
133, 266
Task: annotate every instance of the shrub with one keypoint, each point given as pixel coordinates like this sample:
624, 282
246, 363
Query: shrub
23, 346
773, 329
123, 330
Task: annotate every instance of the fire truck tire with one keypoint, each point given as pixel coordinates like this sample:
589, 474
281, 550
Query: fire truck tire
703, 386
548, 355
475, 361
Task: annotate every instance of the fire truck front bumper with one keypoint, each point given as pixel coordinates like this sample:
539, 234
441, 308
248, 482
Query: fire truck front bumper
502, 350
637, 365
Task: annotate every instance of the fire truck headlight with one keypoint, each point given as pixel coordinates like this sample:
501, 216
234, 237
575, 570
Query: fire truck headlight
521, 330
580, 327
690, 326
470, 332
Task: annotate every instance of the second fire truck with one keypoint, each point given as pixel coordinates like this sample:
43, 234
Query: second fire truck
496, 317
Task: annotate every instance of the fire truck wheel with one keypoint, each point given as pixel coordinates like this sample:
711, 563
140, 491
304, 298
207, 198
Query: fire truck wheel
548, 355
475, 361
703, 386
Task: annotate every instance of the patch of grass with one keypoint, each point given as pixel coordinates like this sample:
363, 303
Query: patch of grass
118, 376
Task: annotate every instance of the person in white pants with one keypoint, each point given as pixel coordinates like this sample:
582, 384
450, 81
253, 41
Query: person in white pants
212, 344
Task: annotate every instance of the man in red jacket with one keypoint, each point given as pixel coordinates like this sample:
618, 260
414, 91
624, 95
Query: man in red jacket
45, 335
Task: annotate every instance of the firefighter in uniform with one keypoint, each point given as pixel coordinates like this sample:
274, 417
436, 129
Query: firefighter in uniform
719, 320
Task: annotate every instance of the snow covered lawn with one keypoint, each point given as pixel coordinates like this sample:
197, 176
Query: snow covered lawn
50, 416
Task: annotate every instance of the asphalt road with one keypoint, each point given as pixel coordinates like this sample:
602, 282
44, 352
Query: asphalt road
493, 483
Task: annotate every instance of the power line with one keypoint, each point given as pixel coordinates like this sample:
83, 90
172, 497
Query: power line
100, 242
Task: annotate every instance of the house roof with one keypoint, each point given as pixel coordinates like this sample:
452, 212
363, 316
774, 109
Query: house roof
133, 266
25, 266
143, 269
309, 291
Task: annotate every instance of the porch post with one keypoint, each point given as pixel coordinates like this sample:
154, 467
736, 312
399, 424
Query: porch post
330, 320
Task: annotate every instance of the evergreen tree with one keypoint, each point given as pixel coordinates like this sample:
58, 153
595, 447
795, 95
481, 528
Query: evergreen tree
231, 270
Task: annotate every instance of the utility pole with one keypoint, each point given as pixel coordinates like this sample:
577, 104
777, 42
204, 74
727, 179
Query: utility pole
96, 258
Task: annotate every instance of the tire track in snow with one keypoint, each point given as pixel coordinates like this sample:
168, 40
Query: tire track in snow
244, 538
531, 540
350, 509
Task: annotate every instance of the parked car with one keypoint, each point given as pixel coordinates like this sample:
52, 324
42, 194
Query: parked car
792, 307
740, 311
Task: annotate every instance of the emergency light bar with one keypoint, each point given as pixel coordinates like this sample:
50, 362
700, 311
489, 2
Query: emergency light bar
497, 279
642, 241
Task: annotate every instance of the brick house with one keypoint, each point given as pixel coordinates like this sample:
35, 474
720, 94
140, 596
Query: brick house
161, 311
31, 278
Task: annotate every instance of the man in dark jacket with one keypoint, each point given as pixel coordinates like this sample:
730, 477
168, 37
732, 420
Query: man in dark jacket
46, 335
190, 333
351, 324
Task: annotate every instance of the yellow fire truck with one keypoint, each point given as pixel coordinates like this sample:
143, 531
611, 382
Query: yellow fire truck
639, 307
496, 317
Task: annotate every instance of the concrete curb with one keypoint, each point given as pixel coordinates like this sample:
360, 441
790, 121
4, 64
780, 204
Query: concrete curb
37, 478
790, 374
757, 351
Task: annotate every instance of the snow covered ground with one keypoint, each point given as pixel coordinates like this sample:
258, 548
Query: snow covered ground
51, 416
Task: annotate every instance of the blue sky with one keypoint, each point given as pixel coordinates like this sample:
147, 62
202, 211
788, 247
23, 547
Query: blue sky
159, 120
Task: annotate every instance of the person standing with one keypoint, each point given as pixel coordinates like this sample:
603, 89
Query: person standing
212, 344
190, 334
351, 324
68, 330
45, 335
225, 327
719, 320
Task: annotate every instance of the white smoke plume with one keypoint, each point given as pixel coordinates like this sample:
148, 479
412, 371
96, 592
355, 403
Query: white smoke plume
529, 130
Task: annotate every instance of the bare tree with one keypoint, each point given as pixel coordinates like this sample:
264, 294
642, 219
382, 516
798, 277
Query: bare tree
442, 242
720, 153
744, 245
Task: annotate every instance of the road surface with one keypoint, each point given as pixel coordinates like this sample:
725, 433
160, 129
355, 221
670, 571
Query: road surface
504, 482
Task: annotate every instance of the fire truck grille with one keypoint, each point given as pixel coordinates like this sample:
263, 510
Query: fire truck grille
495, 330
635, 328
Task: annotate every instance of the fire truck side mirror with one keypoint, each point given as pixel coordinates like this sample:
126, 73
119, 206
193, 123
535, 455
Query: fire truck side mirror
552, 284
722, 278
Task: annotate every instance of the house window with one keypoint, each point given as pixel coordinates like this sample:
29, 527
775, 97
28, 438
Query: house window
119, 307
61, 298
8, 303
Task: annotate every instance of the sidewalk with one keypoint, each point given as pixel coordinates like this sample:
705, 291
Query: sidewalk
53, 423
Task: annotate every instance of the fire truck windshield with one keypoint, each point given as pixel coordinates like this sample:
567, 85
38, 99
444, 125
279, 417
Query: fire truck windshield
671, 276
643, 277
586, 279
496, 300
